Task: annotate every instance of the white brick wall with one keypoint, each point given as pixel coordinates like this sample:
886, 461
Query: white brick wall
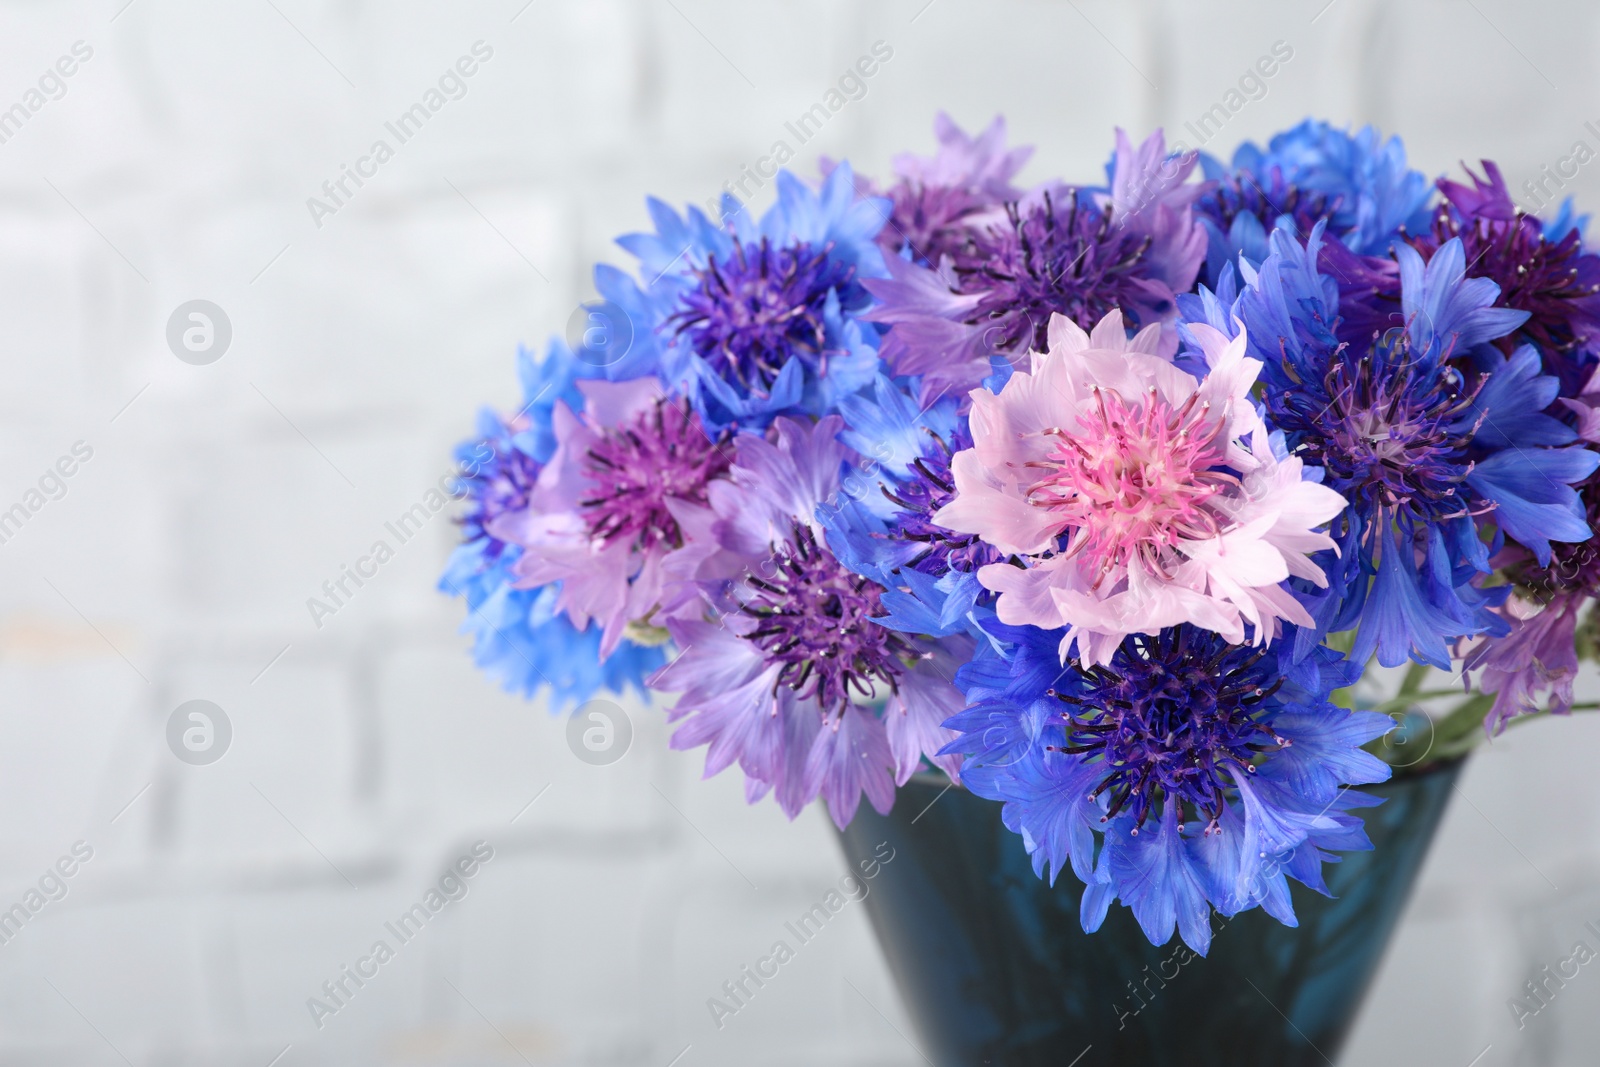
370, 753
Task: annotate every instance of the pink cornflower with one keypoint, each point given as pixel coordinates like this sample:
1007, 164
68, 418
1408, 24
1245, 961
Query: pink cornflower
606, 509
1134, 496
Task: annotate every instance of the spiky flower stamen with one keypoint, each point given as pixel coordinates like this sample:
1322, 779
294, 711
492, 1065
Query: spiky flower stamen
1134, 479
1054, 256
495, 487
662, 454
1392, 430
750, 312
1170, 720
930, 488
814, 617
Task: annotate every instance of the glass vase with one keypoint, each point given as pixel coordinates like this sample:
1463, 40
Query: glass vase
995, 970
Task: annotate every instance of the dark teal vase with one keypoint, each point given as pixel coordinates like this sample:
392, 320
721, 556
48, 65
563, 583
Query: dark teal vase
995, 970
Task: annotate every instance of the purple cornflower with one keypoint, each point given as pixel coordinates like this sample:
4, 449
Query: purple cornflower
1533, 667
1540, 267
783, 664
1056, 254
815, 618
638, 471
937, 199
1058, 250
1574, 567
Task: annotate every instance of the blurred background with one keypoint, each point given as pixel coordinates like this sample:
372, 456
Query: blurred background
361, 754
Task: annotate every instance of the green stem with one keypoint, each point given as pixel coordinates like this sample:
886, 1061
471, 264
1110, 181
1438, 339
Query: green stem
1412, 682
1544, 713
1406, 700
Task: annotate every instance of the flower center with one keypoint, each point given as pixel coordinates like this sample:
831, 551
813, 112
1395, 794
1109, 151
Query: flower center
1390, 429
501, 485
1171, 718
662, 454
754, 310
815, 617
1051, 258
931, 219
1133, 480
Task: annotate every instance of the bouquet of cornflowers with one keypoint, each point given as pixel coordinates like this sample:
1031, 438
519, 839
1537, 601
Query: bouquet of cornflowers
1099, 499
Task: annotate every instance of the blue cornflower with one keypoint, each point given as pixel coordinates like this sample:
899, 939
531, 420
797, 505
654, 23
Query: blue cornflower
751, 320
520, 640
1008, 710
500, 464
882, 524
1359, 184
1437, 440
1186, 775
518, 636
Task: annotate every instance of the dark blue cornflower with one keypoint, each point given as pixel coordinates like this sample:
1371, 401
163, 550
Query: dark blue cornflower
1437, 440
1185, 776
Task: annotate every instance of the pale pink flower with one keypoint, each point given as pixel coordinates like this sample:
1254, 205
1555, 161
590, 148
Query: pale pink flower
1136, 496
609, 506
